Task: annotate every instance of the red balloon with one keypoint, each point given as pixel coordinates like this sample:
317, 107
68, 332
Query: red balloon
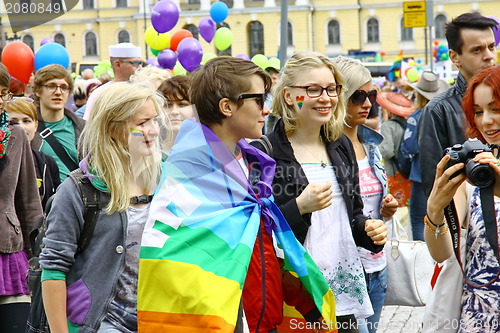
19, 60
382, 53
178, 37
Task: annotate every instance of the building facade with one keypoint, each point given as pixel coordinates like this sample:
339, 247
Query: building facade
330, 27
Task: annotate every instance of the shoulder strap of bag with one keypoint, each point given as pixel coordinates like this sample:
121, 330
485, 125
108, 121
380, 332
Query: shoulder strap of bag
490, 226
46, 134
266, 144
91, 203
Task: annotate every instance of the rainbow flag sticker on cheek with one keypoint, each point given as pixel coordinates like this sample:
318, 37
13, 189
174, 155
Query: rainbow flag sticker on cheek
300, 101
136, 132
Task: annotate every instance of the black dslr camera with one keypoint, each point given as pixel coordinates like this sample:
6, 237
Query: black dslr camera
481, 175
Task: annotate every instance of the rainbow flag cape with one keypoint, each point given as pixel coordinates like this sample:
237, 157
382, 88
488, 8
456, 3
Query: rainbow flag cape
200, 234
395, 70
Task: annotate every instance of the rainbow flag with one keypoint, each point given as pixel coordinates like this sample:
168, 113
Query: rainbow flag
200, 234
395, 70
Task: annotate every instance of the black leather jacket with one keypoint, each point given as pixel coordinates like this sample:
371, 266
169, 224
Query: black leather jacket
290, 180
441, 126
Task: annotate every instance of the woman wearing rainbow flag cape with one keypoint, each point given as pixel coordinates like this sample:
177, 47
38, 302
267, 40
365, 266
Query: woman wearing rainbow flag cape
317, 185
208, 262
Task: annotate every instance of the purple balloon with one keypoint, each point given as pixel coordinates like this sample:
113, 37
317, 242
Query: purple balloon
242, 56
190, 53
46, 40
496, 31
167, 59
164, 16
152, 62
207, 28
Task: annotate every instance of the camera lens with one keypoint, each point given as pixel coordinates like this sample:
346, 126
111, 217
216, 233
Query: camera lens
481, 175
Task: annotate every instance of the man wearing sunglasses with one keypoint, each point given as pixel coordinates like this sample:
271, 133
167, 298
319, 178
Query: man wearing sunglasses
125, 59
58, 128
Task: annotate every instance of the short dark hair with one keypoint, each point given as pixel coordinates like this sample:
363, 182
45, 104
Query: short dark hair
222, 77
4, 77
465, 21
175, 88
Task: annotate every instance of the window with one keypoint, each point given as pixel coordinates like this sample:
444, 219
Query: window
90, 44
229, 3
60, 39
123, 37
290, 34
406, 33
88, 4
256, 38
372, 30
228, 51
121, 3
333, 32
439, 24
193, 29
28, 40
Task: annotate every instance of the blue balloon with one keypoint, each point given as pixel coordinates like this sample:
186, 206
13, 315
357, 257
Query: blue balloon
50, 54
219, 12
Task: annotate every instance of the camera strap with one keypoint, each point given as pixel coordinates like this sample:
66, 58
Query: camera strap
490, 228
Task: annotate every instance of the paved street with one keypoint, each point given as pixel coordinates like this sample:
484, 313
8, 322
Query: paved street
396, 319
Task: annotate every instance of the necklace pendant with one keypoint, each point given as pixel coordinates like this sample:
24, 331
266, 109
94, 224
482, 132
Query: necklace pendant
437, 232
323, 164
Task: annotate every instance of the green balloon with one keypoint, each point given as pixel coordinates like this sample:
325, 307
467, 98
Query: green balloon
155, 52
223, 38
260, 60
207, 56
274, 63
179, 70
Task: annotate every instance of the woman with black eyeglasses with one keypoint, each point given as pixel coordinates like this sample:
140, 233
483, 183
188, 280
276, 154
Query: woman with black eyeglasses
377, 202
316, 184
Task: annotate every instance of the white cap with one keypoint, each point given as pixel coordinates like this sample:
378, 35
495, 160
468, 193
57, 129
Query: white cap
125, 50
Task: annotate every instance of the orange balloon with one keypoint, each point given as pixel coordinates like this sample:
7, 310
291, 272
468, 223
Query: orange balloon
382, 53
19, 60
178, 37
436, 42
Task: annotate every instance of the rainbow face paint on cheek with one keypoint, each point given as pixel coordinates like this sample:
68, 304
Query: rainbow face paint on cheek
300, 101
136, 132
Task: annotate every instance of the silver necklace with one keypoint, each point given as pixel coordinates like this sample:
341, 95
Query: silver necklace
322, 162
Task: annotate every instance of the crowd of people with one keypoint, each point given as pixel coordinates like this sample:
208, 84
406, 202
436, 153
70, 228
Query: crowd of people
205, 224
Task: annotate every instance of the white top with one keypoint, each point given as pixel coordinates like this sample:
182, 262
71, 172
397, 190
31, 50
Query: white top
371, 194
330, 243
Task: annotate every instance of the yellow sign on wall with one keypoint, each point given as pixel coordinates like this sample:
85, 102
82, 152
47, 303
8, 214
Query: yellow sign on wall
415, 14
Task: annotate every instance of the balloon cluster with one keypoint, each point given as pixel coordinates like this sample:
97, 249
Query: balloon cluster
21, 61
181, 51
262, 61
440, 51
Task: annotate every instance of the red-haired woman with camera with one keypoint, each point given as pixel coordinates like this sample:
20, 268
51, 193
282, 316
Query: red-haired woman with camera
480, 299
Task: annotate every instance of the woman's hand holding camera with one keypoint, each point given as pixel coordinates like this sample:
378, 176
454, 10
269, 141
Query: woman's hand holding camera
493, 162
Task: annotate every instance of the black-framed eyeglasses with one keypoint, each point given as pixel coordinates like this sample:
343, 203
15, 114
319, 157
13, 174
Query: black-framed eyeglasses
7, 96
52, 87
332, 90
358, 97
259, 98
135, 63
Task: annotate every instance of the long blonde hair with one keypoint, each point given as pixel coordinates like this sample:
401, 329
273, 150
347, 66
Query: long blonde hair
105, 141
295, 67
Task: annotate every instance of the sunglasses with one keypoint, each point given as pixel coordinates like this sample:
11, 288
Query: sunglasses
259, 98
135, 63
359, 96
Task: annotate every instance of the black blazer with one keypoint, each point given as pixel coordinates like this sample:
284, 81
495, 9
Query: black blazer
290, 180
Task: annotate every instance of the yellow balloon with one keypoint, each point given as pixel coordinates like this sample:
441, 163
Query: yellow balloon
207, 56
179, 70
156, 40
412, 74
223, 38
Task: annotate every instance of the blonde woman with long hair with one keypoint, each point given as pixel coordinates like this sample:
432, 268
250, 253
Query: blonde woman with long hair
316, 184
96, 289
